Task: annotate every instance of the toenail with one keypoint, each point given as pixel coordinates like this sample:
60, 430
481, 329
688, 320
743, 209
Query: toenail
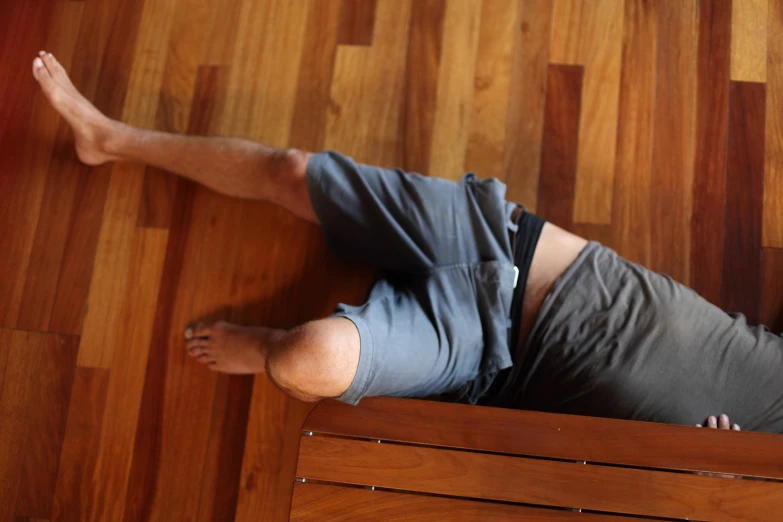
188, 333
37, 63
41, 53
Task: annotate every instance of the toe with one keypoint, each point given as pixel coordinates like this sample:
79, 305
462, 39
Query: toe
205, 359
735, 427
198, 330
41, 73
723, 422
51, 63
712, 422
195, 346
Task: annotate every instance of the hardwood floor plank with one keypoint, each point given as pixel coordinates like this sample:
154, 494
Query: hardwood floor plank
367, 89
712, 120
157, 199
24, 359
771, 290
487, 137
454, 98
76, 267
525, 120
672, 169
317, 67
601, 45
261, 105
561, 131
749, 40
5, 352
425, 47
742, 263
566, 36
48, 410
72, 497
221, 32
112, 267
773, 151
631, 225
109, 478
357, 20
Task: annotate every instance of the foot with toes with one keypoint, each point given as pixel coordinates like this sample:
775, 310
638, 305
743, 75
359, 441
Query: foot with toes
229, 348
91, 128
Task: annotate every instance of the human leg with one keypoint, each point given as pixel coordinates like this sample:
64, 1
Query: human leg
231, 166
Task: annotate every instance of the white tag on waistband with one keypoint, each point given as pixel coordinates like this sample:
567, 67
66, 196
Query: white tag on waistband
516, 276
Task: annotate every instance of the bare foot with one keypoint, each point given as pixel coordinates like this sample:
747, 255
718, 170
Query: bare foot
229, 348
91, 128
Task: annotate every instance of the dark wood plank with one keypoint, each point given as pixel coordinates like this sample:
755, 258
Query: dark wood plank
48, 410
357, 20
157, 199
561, 135
317, 66
24, 359
345, 504
421, 84
557, 436
672, 168
80, 445
525, 120
534, 481
741, 289
631, 225
772, 290
712, 116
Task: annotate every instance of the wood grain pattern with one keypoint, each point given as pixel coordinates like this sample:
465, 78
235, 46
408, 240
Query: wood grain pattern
525, 119
709, 179
672, 167
357, 20
772, 289
425, 46
559, 156
486, 140
340, 504
475, 475
631, 230
454, 97
601, 46
46, 426
557, 436
749, 40
773, 151
741, 290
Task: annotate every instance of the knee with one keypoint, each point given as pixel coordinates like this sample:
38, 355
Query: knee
316, 360
288, 168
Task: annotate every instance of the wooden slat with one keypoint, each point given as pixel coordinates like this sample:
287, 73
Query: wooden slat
48, 408
421, 83
601, 46
744, 191
72, 497
749, 40
561, 134
343, 504
525, 119
772, 290
474, 475
316, 68
157, 199
773, 150
451, 126
221, 32
709, 180
631, 225
566, 36
548, 435
487, 138
672, 169
357, 19
24, 359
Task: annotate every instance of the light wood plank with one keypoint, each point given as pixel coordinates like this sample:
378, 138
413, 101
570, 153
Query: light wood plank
455, 89
749, 40
601, 45
540, 482
773, 151
487, 137
568, 17
367, 88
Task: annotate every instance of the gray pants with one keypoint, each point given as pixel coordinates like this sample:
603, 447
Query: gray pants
612, 339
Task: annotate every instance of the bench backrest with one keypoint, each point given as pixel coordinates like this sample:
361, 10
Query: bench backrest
400, 459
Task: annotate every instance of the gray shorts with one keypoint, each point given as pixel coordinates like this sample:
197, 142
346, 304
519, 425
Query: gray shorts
436, 321
614, 339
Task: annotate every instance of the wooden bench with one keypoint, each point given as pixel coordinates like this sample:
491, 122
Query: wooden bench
399, 459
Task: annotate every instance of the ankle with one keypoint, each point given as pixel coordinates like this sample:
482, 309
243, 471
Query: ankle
114, 138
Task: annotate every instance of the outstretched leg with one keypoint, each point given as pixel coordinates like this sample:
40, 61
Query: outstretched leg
231, 166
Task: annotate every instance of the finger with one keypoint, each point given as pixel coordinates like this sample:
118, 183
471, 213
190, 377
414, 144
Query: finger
723, 422
712, 422
735, 427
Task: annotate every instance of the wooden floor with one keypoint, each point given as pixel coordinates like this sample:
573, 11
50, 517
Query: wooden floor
655, 127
